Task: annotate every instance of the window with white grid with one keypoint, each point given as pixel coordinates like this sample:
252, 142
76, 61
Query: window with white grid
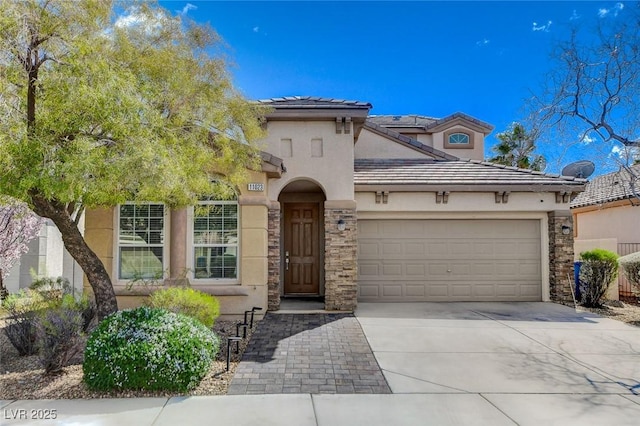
141, 241
215, 240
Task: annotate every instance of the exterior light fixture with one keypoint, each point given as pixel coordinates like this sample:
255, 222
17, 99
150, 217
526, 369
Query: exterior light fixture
566, 229
341, 225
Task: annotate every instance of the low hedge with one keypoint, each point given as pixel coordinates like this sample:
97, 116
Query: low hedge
598, 270
185, 300
148, 348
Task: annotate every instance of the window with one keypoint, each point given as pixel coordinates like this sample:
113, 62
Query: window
140, 241
215, 240
459, 139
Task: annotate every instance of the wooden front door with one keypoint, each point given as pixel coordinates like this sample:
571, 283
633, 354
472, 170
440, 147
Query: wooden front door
301, 249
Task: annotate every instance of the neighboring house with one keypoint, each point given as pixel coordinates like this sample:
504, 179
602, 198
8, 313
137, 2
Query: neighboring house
607, 215
351, 207
46, 257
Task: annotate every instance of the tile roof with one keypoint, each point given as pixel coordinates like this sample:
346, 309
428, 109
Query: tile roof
405, 140
462, 115
401, 120
312, 102
453, 172
422, 122
272, 159
610, 187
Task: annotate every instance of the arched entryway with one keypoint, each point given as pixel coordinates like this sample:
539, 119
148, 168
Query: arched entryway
302, 239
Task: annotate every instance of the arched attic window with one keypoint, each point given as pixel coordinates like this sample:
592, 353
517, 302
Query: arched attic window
458, 139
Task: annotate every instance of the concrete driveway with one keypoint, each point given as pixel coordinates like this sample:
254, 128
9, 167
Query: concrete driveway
536, 363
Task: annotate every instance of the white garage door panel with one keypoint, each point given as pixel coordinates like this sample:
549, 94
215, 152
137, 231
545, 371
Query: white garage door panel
449, 260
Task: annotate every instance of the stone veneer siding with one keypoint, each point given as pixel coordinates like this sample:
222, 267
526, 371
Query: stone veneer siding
340, 259
560, 257
273, 281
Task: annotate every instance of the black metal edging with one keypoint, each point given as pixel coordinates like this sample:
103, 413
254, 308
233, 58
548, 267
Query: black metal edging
237, 337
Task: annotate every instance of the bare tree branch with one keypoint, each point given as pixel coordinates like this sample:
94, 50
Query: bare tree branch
593, 93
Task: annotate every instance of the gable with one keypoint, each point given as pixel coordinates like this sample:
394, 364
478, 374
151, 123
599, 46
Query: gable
457, 135
374, 145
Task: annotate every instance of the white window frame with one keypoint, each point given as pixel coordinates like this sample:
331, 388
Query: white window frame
165, 244
191, 246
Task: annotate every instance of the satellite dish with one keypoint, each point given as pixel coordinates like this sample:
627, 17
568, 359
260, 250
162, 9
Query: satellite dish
580, 169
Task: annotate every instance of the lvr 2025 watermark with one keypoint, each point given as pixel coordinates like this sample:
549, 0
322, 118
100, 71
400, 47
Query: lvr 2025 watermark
29, 414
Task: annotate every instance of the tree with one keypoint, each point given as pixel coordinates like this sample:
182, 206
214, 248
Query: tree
592, 93
516, 149
18, 226
102, 105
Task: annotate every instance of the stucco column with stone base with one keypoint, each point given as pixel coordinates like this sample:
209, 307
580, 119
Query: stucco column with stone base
560, 256
273, 281
341, 263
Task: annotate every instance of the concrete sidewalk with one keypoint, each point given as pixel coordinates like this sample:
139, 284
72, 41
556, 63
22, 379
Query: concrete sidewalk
331, 410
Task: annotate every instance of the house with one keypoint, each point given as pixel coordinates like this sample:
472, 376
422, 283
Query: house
45, 257
353, 208
607, 215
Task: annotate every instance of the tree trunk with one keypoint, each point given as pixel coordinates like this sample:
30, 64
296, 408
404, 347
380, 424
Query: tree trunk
3, 291
77, 247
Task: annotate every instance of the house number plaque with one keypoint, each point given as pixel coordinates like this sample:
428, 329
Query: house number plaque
256, 187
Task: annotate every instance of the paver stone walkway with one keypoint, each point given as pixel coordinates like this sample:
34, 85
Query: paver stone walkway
308, 353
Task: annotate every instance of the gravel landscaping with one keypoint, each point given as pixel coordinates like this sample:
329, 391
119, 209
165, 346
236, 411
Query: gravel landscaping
22, 378
626, 312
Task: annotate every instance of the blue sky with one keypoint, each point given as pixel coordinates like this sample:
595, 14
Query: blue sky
483, 58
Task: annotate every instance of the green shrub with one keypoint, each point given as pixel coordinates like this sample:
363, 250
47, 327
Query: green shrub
84, 306
48, 323
148, 348
599, 269
184, 300
22, 308
631, 266
58, 293
51, 288
25, 300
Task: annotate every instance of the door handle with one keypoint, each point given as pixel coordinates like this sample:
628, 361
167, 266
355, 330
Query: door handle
286, 260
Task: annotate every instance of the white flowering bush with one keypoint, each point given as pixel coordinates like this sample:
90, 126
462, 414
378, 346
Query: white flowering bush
148, 348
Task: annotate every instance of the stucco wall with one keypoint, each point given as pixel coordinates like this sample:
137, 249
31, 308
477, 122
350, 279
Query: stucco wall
372, 145
475, 153
45, 258
610, 244
426, 139
621, 223
331, 166
459, 202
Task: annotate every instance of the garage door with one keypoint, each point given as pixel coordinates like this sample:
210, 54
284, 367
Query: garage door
449, 260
